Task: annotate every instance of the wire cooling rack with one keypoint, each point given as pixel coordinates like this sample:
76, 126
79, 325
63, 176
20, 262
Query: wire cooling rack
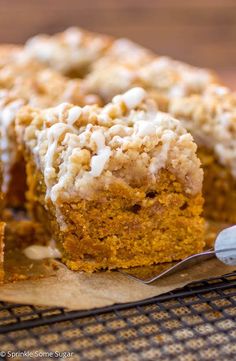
195, 323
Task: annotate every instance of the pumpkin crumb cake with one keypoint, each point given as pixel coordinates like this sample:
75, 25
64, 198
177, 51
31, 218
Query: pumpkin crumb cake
115, 186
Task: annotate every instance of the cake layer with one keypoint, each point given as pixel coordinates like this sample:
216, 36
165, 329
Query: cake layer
125, 228
117, 186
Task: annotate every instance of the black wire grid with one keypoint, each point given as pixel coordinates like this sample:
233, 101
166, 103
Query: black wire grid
194, 323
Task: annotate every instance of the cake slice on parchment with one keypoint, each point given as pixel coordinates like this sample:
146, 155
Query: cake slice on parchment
117, 186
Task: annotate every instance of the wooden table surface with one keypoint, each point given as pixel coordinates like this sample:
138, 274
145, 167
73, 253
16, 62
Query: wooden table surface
201, 32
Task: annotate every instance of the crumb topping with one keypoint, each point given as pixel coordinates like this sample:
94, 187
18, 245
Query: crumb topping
10, 53
73, 49
126, 52
41, 86
211, 118
161, 75
175, 78
81, 150
17, 71
112, 79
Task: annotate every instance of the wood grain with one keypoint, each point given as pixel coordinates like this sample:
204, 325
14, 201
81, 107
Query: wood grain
201, 32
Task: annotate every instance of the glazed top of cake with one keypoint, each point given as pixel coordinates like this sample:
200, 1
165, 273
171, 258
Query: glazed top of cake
162, 74
81, 150
211, 118
69, 50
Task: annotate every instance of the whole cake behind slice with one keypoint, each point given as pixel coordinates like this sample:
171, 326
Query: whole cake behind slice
162, 77
118, 186
211, 119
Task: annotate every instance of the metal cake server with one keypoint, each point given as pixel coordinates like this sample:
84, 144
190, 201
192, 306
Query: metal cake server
224, 250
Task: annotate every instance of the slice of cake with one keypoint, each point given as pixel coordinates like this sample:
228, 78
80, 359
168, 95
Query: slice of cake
117, 186
71, 52
211, 119
27, 83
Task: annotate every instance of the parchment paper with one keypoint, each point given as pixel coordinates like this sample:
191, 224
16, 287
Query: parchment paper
50, 283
